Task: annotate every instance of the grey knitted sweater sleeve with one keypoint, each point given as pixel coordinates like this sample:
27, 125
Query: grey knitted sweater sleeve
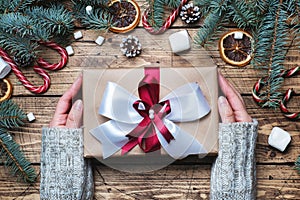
233, 174
65, 174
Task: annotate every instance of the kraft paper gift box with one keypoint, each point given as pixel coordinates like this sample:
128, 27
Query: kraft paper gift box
204, 130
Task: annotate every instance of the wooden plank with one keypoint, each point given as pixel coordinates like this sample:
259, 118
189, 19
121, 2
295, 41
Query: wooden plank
156, 52
172, 182
43, 108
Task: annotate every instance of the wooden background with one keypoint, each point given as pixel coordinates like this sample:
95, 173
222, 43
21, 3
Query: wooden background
186, 179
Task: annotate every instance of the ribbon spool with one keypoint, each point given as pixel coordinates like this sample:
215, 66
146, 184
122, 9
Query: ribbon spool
283, 107
27, 84
166, 24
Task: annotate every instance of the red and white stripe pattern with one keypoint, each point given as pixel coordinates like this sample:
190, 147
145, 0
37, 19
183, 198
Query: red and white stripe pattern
62, 51
261, 82
166, 24
27, 84
290, 72
283, 107
257, 86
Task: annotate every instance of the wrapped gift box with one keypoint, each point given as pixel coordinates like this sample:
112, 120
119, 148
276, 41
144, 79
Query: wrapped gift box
204, 130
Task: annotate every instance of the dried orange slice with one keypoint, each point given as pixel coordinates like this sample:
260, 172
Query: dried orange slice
236, 47
126, 15
6, 89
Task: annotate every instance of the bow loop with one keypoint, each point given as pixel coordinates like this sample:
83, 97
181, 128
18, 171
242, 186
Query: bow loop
147, 122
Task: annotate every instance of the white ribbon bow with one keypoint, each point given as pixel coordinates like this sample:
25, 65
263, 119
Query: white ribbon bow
187, 104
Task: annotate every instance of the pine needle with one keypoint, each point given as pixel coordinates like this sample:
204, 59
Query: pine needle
270, 51
11, 116
15, 159
297, 164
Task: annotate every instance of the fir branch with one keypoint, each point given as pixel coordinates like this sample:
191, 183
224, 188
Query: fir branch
172, 3
11, 115
19, 5
211, 23
18, 46
294, 9
259, 7
270, 51
3, 6
16, 23
101, 3
204, 6
56, 19
156, 13
242, 14
297, 164
99, 19
15, 159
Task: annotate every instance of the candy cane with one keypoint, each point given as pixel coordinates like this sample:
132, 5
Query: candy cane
27, 84
261, 82
166, 24
290, 72
60, 50
283, 108
23, 79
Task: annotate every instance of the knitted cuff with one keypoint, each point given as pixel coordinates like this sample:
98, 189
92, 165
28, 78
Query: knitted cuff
64, 172
234, 171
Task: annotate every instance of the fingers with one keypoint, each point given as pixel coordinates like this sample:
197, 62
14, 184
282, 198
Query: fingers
75, 115
235, 100
225, 110
64, 103
231, 94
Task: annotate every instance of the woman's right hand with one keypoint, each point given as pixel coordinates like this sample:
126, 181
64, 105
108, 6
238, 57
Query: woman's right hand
231, 107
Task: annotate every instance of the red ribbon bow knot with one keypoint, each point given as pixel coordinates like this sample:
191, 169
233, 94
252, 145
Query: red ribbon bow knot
153, 113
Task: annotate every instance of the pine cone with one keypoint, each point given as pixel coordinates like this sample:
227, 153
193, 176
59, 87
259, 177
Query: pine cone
131, 46
190, 13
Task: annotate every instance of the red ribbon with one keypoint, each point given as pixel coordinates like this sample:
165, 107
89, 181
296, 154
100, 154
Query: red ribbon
152, 112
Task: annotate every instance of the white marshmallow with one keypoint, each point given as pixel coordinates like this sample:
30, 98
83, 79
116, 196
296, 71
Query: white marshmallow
70, 50
238, 35
4, 68
78, 35
100, 40
30, 117
279, 138
180, 41
88, 10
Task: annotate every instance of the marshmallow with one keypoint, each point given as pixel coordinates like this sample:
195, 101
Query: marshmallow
30, 117
279, 138
238, 35
88, 10
78, 35
70, 50
100, 40
4, 68
180, 41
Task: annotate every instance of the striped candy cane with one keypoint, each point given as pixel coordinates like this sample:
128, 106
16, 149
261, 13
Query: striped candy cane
27, 84
166, 24
63, 53
283, 107
261, 82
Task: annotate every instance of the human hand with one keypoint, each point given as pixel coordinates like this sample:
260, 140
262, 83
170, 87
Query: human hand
66, 115
231, 107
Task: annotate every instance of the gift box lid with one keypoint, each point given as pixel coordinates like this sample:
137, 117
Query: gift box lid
205, 130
